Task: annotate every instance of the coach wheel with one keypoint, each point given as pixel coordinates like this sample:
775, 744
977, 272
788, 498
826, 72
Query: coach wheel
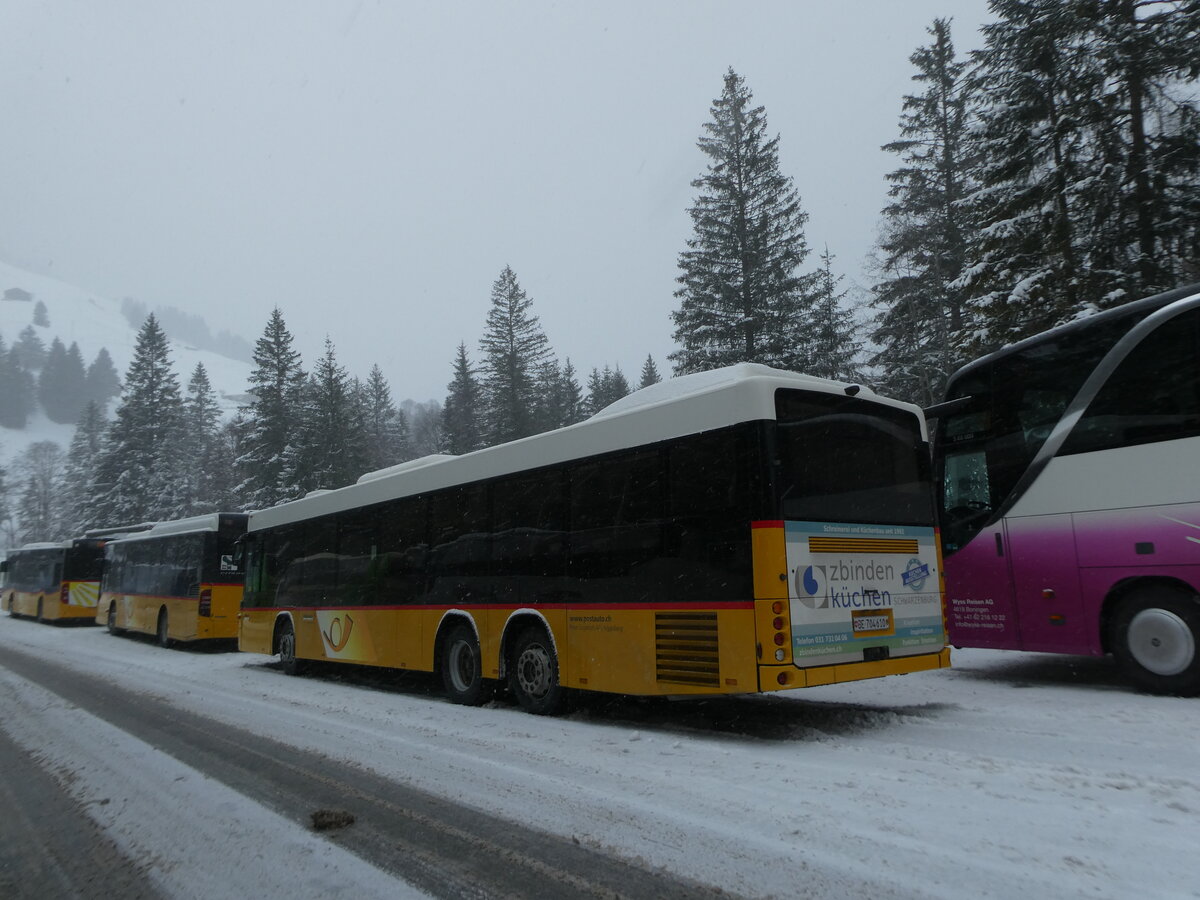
533, 675
287, 649
164, 634
40, 617
112, 618
1155, 636
462, 667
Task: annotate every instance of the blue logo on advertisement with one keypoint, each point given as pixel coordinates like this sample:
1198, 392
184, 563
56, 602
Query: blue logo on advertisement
915, 574
810, 587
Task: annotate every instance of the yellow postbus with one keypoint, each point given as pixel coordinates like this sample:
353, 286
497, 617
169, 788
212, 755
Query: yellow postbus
54, 582
178, 580
740, 530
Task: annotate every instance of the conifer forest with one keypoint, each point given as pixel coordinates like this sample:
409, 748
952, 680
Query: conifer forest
1048, 175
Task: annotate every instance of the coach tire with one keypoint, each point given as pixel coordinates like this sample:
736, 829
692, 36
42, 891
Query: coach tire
164, 629
40, 617
462, 667
533, 673
1156, 638
287, 649
111, 624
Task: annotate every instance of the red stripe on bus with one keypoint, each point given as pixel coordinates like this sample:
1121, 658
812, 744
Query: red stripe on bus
767, 523
578, 607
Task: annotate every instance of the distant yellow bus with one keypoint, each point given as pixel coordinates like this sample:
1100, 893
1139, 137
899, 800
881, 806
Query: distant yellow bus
178, 581
732, 531
53, 582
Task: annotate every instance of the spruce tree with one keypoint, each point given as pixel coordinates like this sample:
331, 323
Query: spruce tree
41, 317
204, 449
385, 426
571, 399
18, 397
80, 469
270, 419
30, 349
835, 347
649, 373
61, 383
101, 383
329, 452
605, 387
921, 325
462, 413
742, 297
136, 474
514, 350
1036, 78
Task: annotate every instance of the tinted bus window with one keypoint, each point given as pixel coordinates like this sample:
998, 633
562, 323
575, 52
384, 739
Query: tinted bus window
845, 459
1154, 394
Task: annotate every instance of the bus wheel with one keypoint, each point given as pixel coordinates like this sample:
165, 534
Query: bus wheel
40, 617
164, 632
533, 674
462, 667
286, 644
1155, 636
112, 619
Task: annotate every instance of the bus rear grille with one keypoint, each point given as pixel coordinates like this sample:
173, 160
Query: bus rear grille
861, 545
685, 647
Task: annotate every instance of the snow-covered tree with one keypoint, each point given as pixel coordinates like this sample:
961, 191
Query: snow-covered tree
30, 349
269, 421
41, 317
742, 296
462, 413
40, 509
514, 351
835, 346
920, 320
80, 469
101, 383
385, 426
649, 373
17, 390
605, 387
136, 475
329, 452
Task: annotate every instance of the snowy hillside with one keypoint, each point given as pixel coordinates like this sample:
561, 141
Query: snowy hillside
79, 316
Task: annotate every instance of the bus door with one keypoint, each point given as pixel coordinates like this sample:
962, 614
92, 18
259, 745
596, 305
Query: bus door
1045, 581
979, 607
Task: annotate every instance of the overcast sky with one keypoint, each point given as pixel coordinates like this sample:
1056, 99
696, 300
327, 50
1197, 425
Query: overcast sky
371, 166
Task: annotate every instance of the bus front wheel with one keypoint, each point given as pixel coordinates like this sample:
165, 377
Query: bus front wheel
533, 673
40, 616
1155, 638
112, 619
462, 667
286, 647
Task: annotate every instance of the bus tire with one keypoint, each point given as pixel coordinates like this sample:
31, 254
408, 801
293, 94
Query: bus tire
462, 667
111, 624
40, 616
285, 644
164, 629
533, 673
1156, 638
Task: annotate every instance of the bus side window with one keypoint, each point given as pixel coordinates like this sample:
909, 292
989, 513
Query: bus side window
1154, 394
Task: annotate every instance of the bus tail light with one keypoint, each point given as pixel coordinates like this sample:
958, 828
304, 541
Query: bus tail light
206, 602
64, 594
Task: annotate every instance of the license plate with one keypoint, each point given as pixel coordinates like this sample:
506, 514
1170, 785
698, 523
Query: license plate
872, 623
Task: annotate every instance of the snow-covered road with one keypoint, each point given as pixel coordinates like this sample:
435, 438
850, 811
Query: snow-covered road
1010, 775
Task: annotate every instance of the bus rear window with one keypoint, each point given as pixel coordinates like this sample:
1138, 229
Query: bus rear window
848, 459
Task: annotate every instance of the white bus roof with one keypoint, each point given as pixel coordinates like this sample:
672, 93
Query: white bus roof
689, 404
44, 545
208, 522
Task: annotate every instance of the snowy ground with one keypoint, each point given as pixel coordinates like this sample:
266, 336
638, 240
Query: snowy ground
1011, 775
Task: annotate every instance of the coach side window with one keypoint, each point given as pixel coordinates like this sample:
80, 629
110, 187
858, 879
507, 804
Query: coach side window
1154, 394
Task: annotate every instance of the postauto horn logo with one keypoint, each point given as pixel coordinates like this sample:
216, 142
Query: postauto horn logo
812, 587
